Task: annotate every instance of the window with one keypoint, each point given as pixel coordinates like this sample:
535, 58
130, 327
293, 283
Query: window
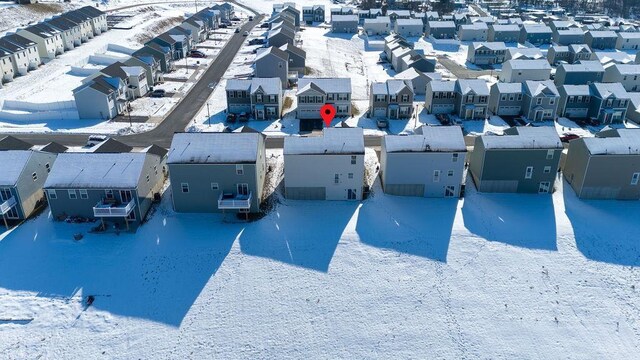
336, 179
52, 194
48, 167
549, 154
538, 101
635, 178
587, 99
72, 194
529, 172
436, 175
108, 194
405, 98
185, 187
454, 157
623, 103
503, 97
450, 191
353, 159
215, 186
230, 94
571, 99
155, 169
34, 176
470, 98
609, 102
552, 101
511, 97
547, 169
543, 187
84, 194
148, 178
350, 175
519, 97
259, 97
239, 170
450, 173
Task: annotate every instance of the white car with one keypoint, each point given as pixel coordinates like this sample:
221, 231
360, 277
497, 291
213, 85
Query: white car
246, 33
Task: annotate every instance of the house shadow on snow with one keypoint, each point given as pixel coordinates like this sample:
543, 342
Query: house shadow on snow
524, 220
155, 274
605, 230
300, 233
412, 225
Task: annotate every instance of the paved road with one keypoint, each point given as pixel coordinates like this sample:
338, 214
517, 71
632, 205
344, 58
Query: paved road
460, 71
181, 115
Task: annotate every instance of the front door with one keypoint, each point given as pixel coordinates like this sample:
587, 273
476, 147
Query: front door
468, 114
125, 196
544, 187
538, 116
393, 113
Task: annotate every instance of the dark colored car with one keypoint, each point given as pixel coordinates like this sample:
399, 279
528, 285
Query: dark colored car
264, 25
158, 93
231, 118
197, 54
250, 18
243, 117
237, 30
444, 119
223, 26
235, 19
569, 137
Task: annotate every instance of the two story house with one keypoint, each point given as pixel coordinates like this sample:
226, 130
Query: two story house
273, 62
262, 98
523, 70
574, 101
380, 25
486, 53
626, 74
472, 99
392, 99
473, 32
441, 29
609, 102
582, 73
540, 101
509, 33
603, 39
535, 34
313, 93
506, 99
313, 14
23, 53
440, 97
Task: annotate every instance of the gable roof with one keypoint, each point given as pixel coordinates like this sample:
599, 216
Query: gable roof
605, 90
13, 163
96, 171
582, 66
111, 146
627, 142
11, 143
528, 64
214, 148
292, 49
524, 137
272, 50
54, 148
428, 139
535, 88
491, 45
326, 85
477, 86
333, 141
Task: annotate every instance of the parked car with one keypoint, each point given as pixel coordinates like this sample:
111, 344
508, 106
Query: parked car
243, 117
382, 123
250, 18
246, 33
444, 119
235, 18
196, 54
158, 93
223, 26
568, 137
256, 41
264, 25
96, 139
237, 30
231, 118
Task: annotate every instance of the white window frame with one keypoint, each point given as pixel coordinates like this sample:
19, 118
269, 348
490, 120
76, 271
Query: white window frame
52, 194
183, 187
215, 186
34, 176
350, 176
239, 169
634, 178
528, 173
74, 193
354, 159
108, 194
450, 173
436, 176
454, 157
547, 169
336, 179
84, 194
550, 154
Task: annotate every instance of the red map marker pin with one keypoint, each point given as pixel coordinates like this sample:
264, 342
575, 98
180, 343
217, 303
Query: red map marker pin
327, 112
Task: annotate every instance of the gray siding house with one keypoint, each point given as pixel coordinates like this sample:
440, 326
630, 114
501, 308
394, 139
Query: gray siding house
311, 14
523, 70
574, 101
440, 97
418, 79
506, 33
392, 99
217, 172
557, 54
327, 167
409, 27
582, 73
273, 63
313, 93
524, 160
260, 98
441, 29
112, 187
506, 99
344, 24
473, 32
377, 26
472, 99
590, 161
579, 52
428, 164
540, 100
626, 74
23, 174
604, 39
536, 34
569, 36
486, 53
609, 102
297, 58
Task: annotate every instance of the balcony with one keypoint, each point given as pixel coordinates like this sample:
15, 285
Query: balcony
7, 205
106, 209
228, 201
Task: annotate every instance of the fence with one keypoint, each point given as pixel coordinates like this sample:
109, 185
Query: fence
25, 111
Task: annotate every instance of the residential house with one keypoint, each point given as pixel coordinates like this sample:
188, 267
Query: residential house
416, 59
418, 79
313, 14
472, 99
429, 164
506, 99
344, 10
150, 65
628, 41
573, 35
603, 39
262, 98
380, 25
523, 160
134, 78
344, 24
69, 30
197, 28
633, 110
540, 101
6, 66
589, 164
98, 19
612, 57
535, 34
409, 27
48, 39
581, 73
175, 43
273, 62
609, 102
217, 172
398, 14
21, 179
579, 52
297, 58
441, 29
161, 54
327, 167
558, 54
473, 32
458, 19
186, 39
522, 70
505, 33
23, 52
112, 187
84, 21
626, 74
532, 53
280, 36
313, 93
368, 14
100, 98
574, 101
295, 14
440, 97
486, 53
392, 44
392, 99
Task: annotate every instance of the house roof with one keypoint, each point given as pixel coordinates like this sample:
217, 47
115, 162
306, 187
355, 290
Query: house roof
576, 48
13, 163
626, 143
603, 34
409, 22
441, 85
575, 90
508, 88
272, 50
491, 45
344, 18
629, 35
292, 49
529, 53
528, 64
412, 73
42, 30
62, 23
524, 137
214, 148
268, 85
11, 143
115, 70
536, 29
91, 11
479, 87
15, 42
628, 69
430, 139
441, 24
111, 146
54, 148
96, 171
604, 90
474, 26
327, 85
238, 85
570, 31
378, 20
509, 27
559, 48
583, 66
391, 86
536, 88
333, 141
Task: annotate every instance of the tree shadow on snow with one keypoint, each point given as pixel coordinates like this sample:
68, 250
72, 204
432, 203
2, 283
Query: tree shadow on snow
524, 220
155, 274
413, 225
304, 234
604, 230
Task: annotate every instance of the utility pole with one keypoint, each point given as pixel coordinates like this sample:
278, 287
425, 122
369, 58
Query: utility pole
208, 114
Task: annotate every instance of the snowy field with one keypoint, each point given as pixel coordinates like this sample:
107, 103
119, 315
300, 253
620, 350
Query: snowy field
493, 276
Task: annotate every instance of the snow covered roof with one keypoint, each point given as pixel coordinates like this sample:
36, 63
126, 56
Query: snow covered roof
629, 35
333, 141
474, 26
441, 24
536, 28
510, 27
272, 50
238, 85
604, 90
603, 34
491, 45
576, 48
508, 88
344, 18
328, 85
101, 171
477, 86
570, 31
528, 64
440, 85
524, 137
539, 87
573, 90
214, 148
432, 139
409, 22
626, 143
412, 73
628, 69
526, 53
378, 20
13, 162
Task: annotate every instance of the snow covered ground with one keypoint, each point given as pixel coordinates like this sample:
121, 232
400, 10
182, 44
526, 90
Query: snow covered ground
494, 276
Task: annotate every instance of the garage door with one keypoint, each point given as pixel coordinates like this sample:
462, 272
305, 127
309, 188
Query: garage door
239, 108
442, 108
379, 112
576, 113
509, 110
